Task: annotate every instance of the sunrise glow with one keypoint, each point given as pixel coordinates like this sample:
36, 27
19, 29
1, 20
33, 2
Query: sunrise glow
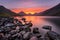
28, 6
29, 10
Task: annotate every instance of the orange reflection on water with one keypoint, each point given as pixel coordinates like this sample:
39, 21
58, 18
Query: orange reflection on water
39, 22
35, 20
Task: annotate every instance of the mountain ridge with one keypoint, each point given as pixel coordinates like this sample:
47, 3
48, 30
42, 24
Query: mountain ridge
54, 11
6, 12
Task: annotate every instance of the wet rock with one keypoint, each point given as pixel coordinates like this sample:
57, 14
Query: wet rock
12, 29
47, 27
53, 35
35, 31
27, 35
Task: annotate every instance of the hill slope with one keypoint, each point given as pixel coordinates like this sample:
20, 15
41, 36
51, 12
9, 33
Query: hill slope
54, 11
6, 12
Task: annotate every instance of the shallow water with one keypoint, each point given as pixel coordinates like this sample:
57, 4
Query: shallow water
40, 21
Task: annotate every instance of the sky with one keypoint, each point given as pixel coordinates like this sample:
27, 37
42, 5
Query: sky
29, 5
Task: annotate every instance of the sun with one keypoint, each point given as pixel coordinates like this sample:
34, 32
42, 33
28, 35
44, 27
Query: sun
30, 13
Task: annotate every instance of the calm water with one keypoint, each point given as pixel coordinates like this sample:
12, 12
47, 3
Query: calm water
40, 21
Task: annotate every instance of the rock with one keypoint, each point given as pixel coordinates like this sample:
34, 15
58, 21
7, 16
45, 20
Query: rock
35, 31
47, 27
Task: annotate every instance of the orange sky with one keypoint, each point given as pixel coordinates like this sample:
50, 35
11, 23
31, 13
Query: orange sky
28, 10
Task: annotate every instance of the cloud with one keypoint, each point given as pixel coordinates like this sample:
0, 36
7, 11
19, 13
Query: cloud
28, 3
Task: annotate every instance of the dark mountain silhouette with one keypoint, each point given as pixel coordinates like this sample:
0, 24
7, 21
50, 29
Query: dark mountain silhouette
6, 12
54, 11
29, 14
22, 13
37, 14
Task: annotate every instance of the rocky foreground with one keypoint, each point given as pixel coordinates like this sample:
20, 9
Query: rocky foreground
12, 29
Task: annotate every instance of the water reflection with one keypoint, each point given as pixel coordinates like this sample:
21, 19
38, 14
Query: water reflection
39, 21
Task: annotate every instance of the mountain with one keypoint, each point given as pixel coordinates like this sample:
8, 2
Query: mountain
54, 11
6, 12
37, 14
22, 13
29, 14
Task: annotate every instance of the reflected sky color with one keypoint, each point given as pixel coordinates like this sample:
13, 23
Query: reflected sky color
40, 21
29, 10
16, 4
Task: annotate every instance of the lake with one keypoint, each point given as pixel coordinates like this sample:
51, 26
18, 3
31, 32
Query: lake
40, 21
